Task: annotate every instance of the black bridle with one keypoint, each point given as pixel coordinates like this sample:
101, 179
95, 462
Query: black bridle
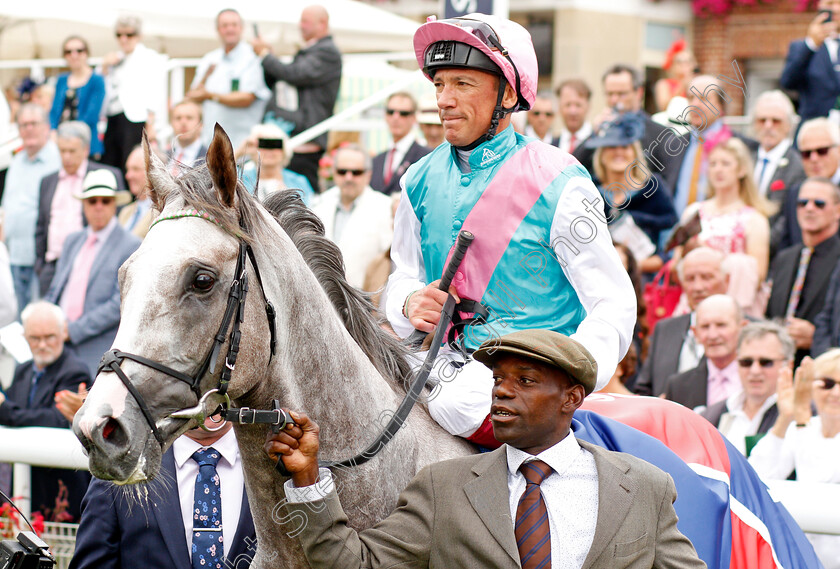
234, 313
276, 417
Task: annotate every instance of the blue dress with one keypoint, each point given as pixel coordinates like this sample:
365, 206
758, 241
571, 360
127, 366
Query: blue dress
89, 98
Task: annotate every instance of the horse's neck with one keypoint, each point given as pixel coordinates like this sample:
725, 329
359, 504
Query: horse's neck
319, 369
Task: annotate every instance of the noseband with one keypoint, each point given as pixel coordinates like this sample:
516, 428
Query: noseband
234, 313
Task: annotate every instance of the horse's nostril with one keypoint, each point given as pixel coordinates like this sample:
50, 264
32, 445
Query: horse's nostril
109, 429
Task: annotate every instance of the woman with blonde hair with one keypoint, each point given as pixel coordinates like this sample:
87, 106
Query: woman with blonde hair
637, 202
734, 217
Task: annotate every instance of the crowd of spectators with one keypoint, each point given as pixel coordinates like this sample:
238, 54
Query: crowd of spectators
746, 223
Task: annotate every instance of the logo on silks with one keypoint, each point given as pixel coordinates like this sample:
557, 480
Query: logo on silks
488, 156
716, 486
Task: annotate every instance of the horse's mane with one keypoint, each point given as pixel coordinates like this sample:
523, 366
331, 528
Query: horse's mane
386, 353
354, 307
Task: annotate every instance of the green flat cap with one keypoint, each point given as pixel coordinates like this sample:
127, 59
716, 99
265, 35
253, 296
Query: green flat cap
545, 346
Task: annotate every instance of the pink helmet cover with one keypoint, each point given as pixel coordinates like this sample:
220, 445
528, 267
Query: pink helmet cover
513, 37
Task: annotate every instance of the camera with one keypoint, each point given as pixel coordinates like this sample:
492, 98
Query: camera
28, 552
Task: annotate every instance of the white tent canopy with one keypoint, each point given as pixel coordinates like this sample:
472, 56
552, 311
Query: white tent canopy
35, 29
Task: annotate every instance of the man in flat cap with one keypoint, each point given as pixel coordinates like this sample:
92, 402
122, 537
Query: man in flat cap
544, 499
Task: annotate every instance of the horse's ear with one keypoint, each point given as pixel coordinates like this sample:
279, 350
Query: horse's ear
158, 178
222, 165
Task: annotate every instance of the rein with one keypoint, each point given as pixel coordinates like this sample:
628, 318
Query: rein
276, 417
234, 313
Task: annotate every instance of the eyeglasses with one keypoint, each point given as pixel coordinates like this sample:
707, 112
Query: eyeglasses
35, 340
828, 383
344, 172
763, 362
403, 114
30, 124
820, 204
72, 51
549, 114
806, 154
96, 200
125, 34
762, 120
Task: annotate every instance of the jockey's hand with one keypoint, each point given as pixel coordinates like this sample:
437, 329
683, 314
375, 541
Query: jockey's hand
297, 447
424, 306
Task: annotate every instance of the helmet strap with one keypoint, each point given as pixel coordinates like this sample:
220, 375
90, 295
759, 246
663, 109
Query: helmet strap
499, 113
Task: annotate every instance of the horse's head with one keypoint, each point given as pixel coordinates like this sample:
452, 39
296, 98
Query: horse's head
175, 292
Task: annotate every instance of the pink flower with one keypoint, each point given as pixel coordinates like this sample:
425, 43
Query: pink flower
777, 185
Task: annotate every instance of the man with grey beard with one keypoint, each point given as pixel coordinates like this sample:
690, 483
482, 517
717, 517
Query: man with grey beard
29, 401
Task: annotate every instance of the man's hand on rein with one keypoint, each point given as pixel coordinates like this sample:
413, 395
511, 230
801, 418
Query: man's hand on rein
424, 306
297, 447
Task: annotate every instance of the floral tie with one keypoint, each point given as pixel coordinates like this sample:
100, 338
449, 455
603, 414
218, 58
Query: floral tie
207, 542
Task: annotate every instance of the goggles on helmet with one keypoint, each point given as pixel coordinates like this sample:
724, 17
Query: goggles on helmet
444, 53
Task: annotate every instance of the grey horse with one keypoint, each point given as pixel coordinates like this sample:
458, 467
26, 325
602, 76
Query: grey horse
332, 361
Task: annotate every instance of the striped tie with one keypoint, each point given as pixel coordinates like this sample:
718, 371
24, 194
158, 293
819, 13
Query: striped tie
532, 534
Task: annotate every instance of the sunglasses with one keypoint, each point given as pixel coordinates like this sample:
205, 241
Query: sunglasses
820, 204
763, 362
344, 172
549, 114
126, 34
806, 154
828, 383
403, 114
72, 51
96, 200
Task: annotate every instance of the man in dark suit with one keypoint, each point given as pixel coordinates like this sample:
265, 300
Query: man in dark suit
673, 347
778, 166
811, 64
827, 322
118, 531
718, 323
389, 166
29, 402
800, 274
624, 89
765, 350
88, 290
315, 72
59, 213
818, 141
608, 510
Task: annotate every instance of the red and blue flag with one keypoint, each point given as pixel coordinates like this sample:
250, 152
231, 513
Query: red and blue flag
723, 506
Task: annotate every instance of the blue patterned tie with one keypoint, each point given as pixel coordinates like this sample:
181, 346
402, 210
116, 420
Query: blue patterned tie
207, 542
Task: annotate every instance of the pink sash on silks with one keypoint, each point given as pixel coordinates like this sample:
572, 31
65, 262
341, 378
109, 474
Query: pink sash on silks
514, 190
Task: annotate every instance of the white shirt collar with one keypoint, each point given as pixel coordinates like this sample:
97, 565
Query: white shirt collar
775, 154
405, 143
559, 457
735, 403
582, 133
184, 447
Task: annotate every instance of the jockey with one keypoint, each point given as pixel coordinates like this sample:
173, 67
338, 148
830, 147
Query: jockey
542, 257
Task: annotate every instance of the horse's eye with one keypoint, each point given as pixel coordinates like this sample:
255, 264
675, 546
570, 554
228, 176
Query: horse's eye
203, 282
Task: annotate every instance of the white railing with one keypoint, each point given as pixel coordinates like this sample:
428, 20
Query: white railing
808, 503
